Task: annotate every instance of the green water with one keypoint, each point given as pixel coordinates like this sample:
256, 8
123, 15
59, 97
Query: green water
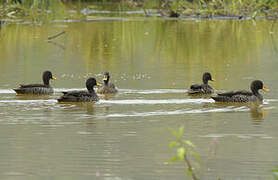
153, 63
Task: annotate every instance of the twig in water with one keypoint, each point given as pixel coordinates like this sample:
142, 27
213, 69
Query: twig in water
56, 35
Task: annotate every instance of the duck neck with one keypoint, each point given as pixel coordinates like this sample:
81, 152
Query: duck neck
46, 81
255, 92
91, 90
205, 81
106, 82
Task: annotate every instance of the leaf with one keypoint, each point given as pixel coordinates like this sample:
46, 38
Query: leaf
274, 170
173, 144
10, 14
254, 15
196, 155
189, 143
180, 153
174, 133
181, 131
173, 159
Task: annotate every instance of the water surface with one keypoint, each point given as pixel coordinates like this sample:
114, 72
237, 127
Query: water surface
152, 62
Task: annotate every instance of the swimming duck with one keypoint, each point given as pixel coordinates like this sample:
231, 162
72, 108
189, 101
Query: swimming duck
108, 88
202, 88
243, 95
44, 88
82, 96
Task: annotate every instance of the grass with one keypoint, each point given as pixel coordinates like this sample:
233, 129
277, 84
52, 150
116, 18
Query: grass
49, 10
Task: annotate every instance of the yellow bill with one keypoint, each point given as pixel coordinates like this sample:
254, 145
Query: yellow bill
265, 89
98, 84
54, 78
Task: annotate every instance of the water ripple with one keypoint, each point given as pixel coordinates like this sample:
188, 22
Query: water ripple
123, 91
152, 91
176, 112
29, 101
160, 101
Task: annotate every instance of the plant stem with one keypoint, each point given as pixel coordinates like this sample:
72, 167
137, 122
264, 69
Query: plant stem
190, 168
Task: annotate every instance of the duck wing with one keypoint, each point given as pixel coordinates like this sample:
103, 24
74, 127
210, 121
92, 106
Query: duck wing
234, 93
76, 93
200, 89
32, 85
34, 89
234, 96
195, 87
78, 96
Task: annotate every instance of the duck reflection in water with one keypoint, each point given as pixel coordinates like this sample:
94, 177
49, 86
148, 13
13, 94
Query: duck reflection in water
257, 113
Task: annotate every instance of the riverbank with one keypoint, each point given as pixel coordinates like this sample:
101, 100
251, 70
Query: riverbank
44, 11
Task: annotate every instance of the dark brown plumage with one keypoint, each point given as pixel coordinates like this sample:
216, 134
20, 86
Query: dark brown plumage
243, 95
204, 88
39, 89
108, 88
82, 96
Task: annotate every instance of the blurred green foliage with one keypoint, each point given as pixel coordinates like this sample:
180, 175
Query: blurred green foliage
49, 10
185, 150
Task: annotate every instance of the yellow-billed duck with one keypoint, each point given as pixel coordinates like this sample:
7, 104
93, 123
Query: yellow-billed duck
108, 88
82, 96
38, 89
243, 95
202, 88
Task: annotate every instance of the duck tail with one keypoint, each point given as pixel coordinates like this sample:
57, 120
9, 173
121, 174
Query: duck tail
18, 91
219, 98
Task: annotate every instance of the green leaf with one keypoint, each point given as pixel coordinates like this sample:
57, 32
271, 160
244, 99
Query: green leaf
274, 170
173, 144
189, 143
181, 131
174, 133
10, 14
173, 159
196, 155
254, 14
180, 153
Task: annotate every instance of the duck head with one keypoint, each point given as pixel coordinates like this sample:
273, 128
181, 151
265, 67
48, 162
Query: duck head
90, 83
257, 85
106, 78
47, 75
207, 77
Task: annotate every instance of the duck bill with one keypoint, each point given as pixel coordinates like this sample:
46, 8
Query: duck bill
54, 78
212, 79
265, 89
98, 84
105, 78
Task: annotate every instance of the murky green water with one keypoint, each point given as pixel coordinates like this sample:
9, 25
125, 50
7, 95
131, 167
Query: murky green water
126, 136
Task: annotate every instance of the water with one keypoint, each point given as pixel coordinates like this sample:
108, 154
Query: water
126, 136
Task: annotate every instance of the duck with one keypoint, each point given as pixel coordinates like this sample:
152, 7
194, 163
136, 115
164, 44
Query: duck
243, 96
108, 88
82, 96
38, 89
204, 88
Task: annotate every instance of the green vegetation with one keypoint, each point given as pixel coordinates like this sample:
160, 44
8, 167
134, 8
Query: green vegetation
184, 152
47, 10
251, 8
275, 173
